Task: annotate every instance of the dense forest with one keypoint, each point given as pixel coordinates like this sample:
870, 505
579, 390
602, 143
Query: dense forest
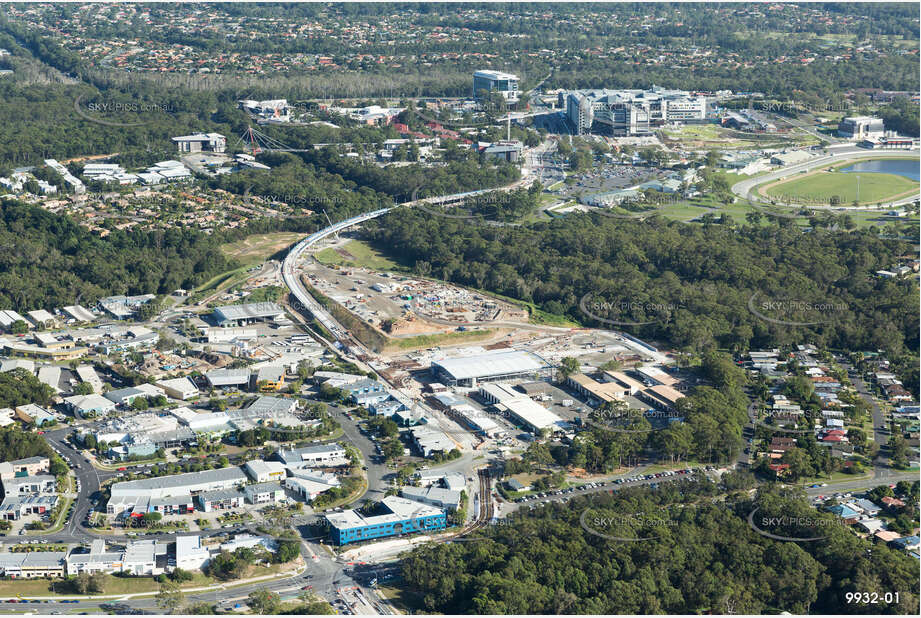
740, 287
18, 444
699, 555
710, 430
324, 180
20, 387
49, 261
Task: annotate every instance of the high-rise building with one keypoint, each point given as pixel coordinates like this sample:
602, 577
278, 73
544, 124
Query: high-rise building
861, 127
505, 84
632, 112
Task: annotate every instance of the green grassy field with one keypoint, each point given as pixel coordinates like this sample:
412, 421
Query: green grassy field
257, 248
687, 211
425, 341
124, 585
113, 585
696, 131
820, 187
362, 254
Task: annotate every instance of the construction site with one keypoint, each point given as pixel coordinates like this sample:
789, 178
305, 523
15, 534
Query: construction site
401, 306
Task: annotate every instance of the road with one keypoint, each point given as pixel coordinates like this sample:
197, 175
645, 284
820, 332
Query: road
744, 188
880, 435
861, 485
289, 265
510, 507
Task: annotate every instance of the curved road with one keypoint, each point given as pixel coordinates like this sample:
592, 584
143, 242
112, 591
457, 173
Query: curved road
744, 188
289, 265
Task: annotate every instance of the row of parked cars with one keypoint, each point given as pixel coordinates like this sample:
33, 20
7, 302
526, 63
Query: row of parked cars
587, 486
40, 601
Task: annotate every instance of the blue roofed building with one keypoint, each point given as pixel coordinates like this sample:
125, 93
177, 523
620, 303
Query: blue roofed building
843, 512
386, 408
404, 517
907, 543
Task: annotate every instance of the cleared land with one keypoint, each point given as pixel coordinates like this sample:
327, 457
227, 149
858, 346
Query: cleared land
355, 253
259, 247
715, 136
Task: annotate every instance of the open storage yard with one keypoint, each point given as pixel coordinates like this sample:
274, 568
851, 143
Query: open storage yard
402, 306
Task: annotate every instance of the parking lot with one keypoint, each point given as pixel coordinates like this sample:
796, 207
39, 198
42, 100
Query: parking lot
562, 495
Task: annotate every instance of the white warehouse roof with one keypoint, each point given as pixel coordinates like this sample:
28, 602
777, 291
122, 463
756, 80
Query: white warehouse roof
491, 364
248, 312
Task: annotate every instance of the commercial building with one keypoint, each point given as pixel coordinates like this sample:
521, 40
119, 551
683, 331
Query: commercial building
228, 378
190, 555
508, 151
861, 127
24, 485
430, 441
197, 142
655, 376
96, 560
404, 517
142, 429
37, 351
375, 115
202, 422
274, 110
455, 481
123, 307
220, 500
35, 415
51, 375
494, 366
6, 416
521, 409
505, 84
631, 112
661, 396
269, 406
226, 334
597, 392
477, 420
264, 493
132, 338
87, 374
629, 385
69, 178
241, 315
126, 396
271, 378
79, 313
322, 455
170, 493
136, 558
309, 484
27, 565
179, 388
41, 318
434, 496
30, 466
16, 507
265, 471
366, 386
